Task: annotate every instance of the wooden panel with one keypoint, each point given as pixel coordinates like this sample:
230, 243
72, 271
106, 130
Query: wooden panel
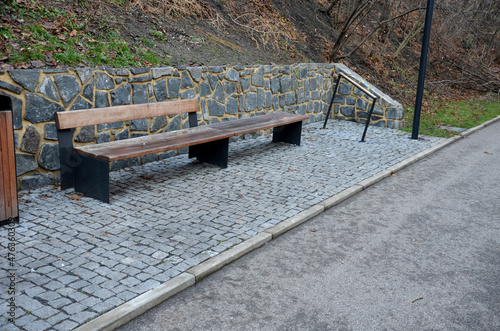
87, 117
8, 189
124, 149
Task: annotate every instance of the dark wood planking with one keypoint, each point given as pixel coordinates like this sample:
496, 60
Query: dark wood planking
87, 117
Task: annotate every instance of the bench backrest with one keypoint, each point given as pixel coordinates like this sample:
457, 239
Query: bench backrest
87, 117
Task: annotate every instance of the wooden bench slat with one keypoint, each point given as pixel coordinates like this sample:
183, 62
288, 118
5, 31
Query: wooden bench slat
128, 148
86, 117
257, 123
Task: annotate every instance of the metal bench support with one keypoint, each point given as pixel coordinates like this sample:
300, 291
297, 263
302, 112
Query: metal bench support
92, 178
289, 133
214, 152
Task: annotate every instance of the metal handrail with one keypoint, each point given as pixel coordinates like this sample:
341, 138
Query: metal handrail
342, 75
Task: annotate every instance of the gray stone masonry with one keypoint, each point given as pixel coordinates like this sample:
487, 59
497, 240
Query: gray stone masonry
76, 258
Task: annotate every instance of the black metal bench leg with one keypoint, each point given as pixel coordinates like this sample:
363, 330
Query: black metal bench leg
214, 152
67, 160
289, 133
92, 178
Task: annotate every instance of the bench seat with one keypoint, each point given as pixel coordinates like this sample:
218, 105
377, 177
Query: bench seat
125, 149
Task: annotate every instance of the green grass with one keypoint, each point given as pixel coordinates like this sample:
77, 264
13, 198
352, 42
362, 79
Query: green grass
72, 44
462, 114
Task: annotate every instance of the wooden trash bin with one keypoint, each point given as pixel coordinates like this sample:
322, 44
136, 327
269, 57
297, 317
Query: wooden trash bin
8, 187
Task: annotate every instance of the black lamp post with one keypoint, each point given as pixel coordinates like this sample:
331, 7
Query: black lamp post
423, 68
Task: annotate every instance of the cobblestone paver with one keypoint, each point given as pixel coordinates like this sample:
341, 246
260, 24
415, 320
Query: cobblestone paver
77, 258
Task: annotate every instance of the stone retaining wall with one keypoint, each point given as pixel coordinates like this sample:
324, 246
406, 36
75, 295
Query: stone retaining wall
224, 93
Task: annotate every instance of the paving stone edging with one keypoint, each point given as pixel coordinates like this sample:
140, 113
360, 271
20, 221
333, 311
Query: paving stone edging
130, 310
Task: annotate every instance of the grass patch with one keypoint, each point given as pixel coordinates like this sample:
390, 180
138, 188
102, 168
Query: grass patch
466, 113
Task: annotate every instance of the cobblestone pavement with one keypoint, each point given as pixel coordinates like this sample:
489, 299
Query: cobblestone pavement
76, 258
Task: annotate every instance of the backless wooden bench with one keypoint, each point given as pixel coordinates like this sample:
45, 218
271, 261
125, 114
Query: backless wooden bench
86, 168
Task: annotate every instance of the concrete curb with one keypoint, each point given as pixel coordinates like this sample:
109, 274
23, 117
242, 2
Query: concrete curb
135, 307
210, 266
295, 221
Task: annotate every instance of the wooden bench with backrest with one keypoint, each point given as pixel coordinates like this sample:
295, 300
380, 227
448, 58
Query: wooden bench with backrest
86, 168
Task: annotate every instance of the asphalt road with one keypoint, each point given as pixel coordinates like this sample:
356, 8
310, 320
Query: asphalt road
419, 250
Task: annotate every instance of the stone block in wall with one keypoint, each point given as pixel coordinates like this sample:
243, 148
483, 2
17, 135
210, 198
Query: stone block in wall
394, 113
286, 84
160, 72
219, 94
107, 126
40, 109
122, 135
347, 111
140, 79
139, 94
86, 134
260, 99
258, 77
36, 180
139, 71
26, 78
395, 124
88, 91
158, 123
50, 131
101, 99
9, 87
230, 88
104, 81
290, 98
205, 89
103, 137
160, 89
213, 80
80, 103
362, 104
31, 140
196, 73
174, 85
232, 106
250, 101
139, 124
345, 89
174, 124
186, 82
85, 74
25, 163
275, 85
189, 94
48, 89
268, 102
350, 101
215, 108
49, 157
122, 95
68, 87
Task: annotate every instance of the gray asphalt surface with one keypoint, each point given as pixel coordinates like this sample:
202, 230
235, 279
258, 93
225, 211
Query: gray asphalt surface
419, 250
